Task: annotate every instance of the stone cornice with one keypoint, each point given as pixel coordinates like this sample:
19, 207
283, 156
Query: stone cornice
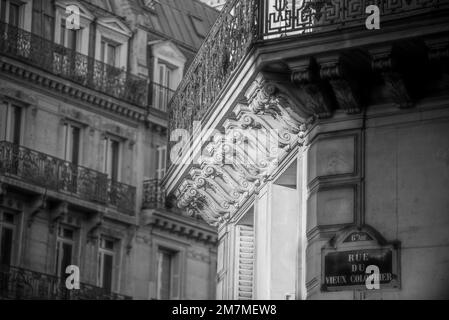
72, 90
181, 226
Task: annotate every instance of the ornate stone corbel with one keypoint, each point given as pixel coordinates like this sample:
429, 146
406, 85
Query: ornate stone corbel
335, 71
57, 213
38, 205
130, 237
316, 97
385, 64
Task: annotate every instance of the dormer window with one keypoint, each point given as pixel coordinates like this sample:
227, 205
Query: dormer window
110, 52
168, 68
16, 13
112, 42
73, 39
69, 37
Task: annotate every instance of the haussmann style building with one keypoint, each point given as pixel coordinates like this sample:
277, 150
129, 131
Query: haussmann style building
83, 147
319, 148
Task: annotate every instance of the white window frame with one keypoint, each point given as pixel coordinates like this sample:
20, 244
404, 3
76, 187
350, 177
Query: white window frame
174, 255
104, 52
102, 251
8, 126
78, 35
168, 54
68, 142
86, 19
161, 155
60, 240
107, 142
117, 33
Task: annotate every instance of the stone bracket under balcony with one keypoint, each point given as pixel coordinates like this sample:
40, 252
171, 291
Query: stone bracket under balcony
264, 127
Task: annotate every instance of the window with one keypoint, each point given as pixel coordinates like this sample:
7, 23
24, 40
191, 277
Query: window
72, 143
6, 238
14, 123
168, 275
111, 158
69, 38
161, 159
64, 250
11, 12
106, 263
43, 19
109, 52
164, 89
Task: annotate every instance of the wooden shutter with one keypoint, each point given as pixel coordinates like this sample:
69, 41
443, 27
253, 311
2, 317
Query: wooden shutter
245, 262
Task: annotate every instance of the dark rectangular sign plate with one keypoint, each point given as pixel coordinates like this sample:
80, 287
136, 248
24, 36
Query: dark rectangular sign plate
348, 268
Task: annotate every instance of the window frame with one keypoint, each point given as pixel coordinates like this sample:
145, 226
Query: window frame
115, 31
161, 162
68, 142
5, 16
175, 258
8, 134
104, 52
60, 241
107, 140
180, 251
102, 251
86, 19
13, 227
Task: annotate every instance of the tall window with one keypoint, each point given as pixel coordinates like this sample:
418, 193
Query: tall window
109, 52
11, 12
14, 123
6, 238
64, 250
168, 275
164, 89
106, 263
161, 159
69, 38
72, 143
111, 158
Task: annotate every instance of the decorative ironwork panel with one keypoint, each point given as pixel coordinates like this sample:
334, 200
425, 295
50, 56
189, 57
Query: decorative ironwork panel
73, 65
22, 284
283, 18
62, 176
153, 194
227, 43
122, 196
244, 23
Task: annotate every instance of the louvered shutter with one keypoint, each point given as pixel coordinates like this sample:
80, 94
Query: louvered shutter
245, 262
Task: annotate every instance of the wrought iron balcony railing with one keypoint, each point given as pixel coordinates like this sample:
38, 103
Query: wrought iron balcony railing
58, 175
22, 284
153, 194
72, 65
243, 24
